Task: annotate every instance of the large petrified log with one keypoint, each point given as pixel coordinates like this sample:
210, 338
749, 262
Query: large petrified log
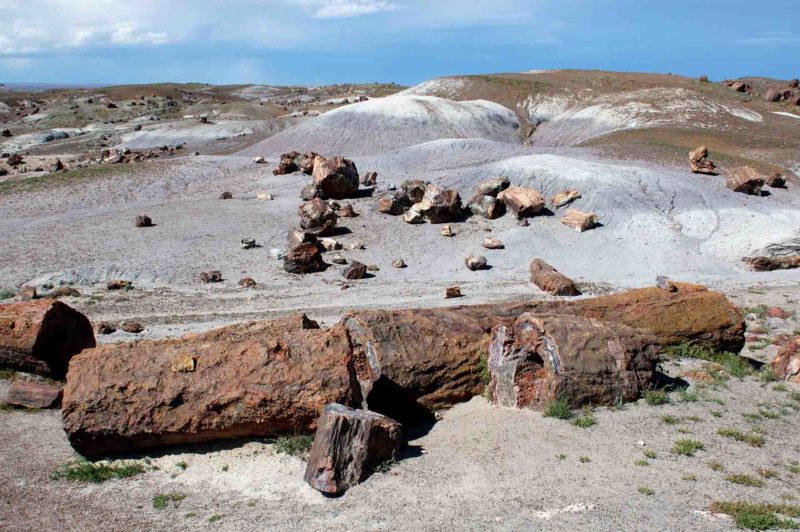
42, 336
523, 201
440, 205
249, 380
581, 360
337, 177
768, 264
348, 445
317, 217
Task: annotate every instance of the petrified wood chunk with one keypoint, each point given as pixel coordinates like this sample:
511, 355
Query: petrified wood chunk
551, 280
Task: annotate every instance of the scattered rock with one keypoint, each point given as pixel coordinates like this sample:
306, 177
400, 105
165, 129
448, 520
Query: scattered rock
311, 191
248, 243
740, 86
699, 162
143, 221
352, 246
786, 364
492, 187
413, 216
247, 282
446, 231
373, 268
119, 284
487, 206
105, 328
317, 217
42, 336
394, 203
746, 180
348, 445
398, 263
492, 243
551, 280
288, 164
132, 327
439, 205
28, 293
306, 164
414, 189
226, 195
356, 270
523, 222
773, 95
369, 179
336, 177
581, 360
62, 291
523, 201
347, 211
338, 259
213, 276
14, 160
581, 221
6, 133
452, 291
296, 237
259, 160
304, 258
58, 166
768, 264
563, 198
34, 395
276, 254
475, 262
776, 180
329, 244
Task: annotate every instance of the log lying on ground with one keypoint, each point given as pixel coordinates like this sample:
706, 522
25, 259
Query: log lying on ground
348, 445
251, 380
547, 278
269, 378
42, 336
544, 358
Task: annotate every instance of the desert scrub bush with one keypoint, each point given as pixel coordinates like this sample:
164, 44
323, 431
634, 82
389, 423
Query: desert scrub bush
162, 500
585, 419
755, 516
96, 473
8, 374
297, 445
646, 491
558, 409
687, 447
732, 363
656, 397
756, 440
745, 480
650, 453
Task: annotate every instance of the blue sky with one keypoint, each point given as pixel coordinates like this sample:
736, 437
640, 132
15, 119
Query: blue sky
405, 41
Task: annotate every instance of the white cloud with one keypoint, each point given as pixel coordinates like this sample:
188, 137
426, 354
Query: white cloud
771, 38
129, 34
352, 8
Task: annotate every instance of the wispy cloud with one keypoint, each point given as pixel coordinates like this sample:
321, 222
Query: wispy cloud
772, 38
352, 8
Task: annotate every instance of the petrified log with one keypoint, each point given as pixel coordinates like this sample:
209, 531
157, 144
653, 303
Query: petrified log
493, 243
304, 258
414, 189
746, 180
565, 197
288, 163
356, 270
452, 291
317, 217
337, 177
699, 162
523, 201
440, 205
394, 203
306, 164
768, 264
487, 206
786, 364
475, 262
369, 179
581, 221
775, 180
247, 380
584, 361
551, 280
42, 336
143, 221
492, 187
348, 445
295, 237
34, 395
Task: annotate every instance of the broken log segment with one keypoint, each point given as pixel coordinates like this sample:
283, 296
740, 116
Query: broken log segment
348, 445
547, 278
249, 380
42, 336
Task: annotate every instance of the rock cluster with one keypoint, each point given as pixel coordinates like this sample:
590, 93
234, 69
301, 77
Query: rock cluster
746, 180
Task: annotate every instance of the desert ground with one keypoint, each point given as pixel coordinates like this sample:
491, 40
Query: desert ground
622, 140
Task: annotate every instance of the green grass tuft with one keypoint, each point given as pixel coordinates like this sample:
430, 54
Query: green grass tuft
687, 447
732, 363
646, 491
756, 516
745, 480
161, 501
651, 454
656, 397
6, 294
96, 473
297, 445
558, 409
756, 440
585, 420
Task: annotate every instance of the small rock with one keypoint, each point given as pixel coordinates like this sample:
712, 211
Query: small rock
452, 291
247, 282
119, 284
664, 283
329, 244
413, 216
492, 243
143, 221
373, 268
304, 258
581, 221
248, 243
226, 195
776, 180
777, 312
356, 270
105, 328
492, 187
446, 231
391, 186
475, 262
547, 278
132, 327
394, 203
414, 189
369, 179
398, 263
523, 222
699, 162
57, 166
213, 276
276, 254
347, 211
355, 245
317, 217
264, 196
524, 201
6, 133
338, 259
565, 197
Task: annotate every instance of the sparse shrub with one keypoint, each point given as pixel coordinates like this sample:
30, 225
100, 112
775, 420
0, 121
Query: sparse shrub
732, 363
558, 409
561, 456
182, 465
687, 447
297, 445
769, 414
745, 480
687, 396
585, 420
584, 459
656, 397
689, 477
96, 473
650, 453
214, 518
755, 516
715, 466
716, 413
162, 500
6, 294
646, 491
642, 462
756, 440
760, 311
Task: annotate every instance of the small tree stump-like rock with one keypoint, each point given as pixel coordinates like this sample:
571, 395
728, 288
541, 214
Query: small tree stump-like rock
348, 445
